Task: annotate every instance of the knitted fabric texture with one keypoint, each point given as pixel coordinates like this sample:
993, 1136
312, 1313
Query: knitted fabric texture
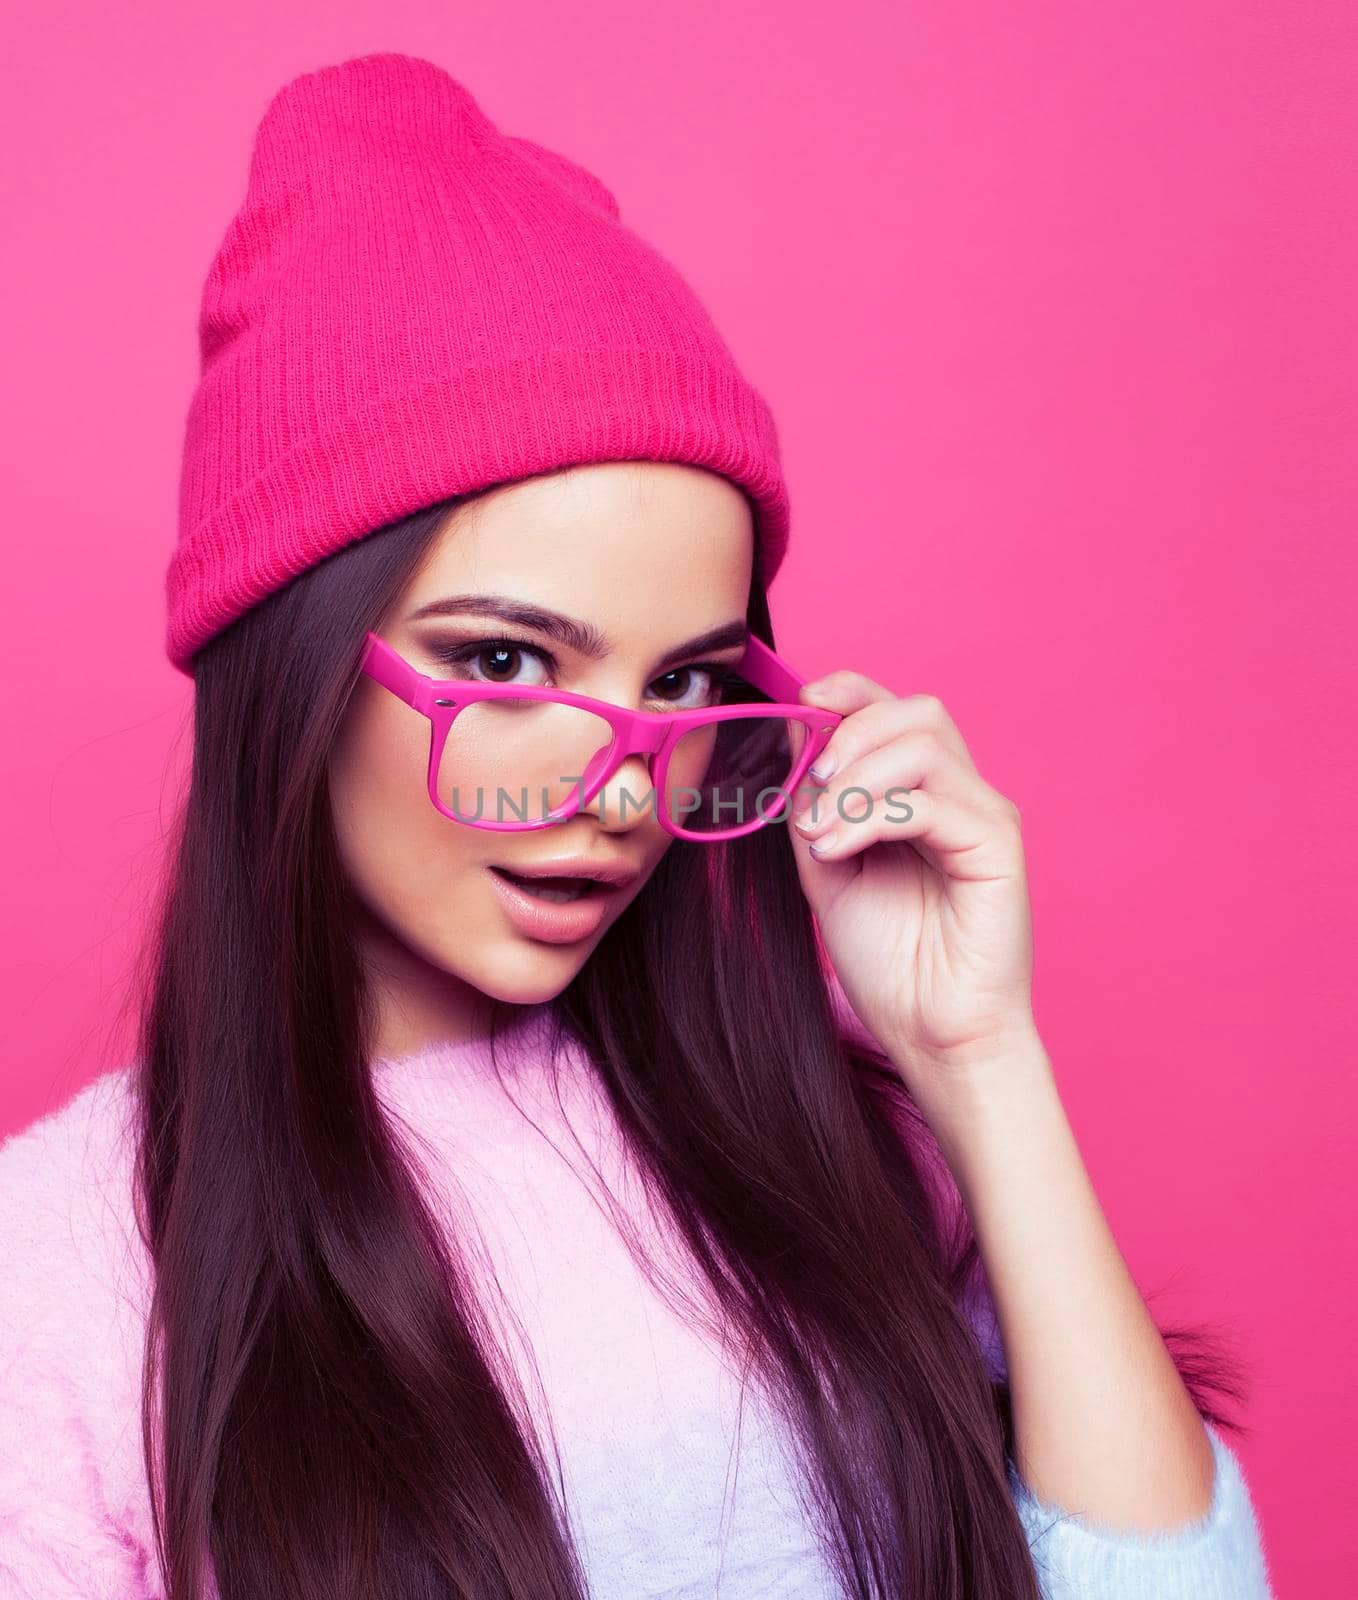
411, 305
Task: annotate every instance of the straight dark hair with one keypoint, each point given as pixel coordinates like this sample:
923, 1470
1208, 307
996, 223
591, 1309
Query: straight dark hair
323, 1414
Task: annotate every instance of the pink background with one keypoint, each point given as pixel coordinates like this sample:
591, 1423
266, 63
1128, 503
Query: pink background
1056, 308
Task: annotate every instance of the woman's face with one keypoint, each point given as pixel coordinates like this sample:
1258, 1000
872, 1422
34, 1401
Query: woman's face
649, 558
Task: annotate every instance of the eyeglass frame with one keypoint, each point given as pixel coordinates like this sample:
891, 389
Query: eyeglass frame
652, 734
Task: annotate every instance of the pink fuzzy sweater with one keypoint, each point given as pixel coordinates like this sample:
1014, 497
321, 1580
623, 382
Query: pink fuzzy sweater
674, 1489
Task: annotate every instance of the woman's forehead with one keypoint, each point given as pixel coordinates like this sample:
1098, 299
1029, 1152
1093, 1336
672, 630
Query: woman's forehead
615, 538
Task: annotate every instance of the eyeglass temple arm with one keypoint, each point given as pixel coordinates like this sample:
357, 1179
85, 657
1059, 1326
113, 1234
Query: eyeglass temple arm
391, 670
769, 673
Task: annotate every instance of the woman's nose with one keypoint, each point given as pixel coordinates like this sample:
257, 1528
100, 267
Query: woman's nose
627, 799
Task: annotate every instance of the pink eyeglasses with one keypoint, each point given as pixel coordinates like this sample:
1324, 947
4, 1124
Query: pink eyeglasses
544, 753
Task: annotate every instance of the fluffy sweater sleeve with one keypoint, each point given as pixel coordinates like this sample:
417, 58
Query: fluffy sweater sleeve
1218, 1557
72, 1513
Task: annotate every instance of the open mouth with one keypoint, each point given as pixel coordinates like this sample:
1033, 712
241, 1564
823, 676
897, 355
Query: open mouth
558, 890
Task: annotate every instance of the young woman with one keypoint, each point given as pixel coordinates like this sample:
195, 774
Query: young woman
589, 1133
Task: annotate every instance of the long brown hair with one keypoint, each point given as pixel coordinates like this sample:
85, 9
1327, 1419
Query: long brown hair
322, 1414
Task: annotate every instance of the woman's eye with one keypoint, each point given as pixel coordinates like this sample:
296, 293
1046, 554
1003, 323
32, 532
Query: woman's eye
689, 687
494, 661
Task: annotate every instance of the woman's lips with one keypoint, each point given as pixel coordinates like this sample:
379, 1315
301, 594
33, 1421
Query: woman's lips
553, 922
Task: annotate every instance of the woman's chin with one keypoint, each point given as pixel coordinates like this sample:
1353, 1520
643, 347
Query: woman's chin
526, 973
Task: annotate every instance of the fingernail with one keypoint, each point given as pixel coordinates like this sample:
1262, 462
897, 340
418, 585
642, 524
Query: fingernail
824, 768
821, 846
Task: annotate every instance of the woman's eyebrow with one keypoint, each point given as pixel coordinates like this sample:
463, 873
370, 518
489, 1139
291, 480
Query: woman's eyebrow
582, 637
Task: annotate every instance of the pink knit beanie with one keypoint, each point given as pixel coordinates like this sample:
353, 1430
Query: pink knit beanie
411, 304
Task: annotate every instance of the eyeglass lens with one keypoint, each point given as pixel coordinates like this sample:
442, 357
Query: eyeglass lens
509, 760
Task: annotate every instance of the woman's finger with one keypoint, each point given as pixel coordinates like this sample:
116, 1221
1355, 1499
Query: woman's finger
955, 839
871, 719
917, 759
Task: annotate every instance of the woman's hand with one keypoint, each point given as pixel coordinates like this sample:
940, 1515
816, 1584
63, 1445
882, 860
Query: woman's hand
921, 897
927, 924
